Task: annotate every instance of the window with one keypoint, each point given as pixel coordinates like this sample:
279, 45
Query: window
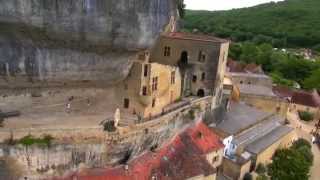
153, 102
145, 70
126, 103
203, 76
173, 77
194, 78
249, 82
215, 159
154, 83
202, 57
167, 51
144, 90
241, 82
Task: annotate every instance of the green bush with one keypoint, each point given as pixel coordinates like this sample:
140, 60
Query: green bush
306, 116
301, 143
30, 140
261, 169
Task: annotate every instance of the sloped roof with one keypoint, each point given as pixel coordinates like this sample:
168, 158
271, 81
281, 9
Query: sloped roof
194, 37
266, 141
282, 91
311, 99
182, 158
241, 117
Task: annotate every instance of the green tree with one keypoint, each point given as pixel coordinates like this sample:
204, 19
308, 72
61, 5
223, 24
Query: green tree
313, 81
292, 163
249, 53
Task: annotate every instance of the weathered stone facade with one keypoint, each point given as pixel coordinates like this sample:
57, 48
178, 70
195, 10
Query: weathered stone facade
201, 59
149, 87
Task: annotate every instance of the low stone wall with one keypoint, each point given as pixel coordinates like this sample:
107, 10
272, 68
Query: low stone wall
271, 104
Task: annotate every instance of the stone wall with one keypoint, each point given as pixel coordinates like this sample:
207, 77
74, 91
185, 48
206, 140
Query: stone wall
265, 157
94, 147
153, 102
267, 104
212, 67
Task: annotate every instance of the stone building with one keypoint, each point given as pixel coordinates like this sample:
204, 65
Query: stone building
256, 89
149, 87
201, 60
250, 137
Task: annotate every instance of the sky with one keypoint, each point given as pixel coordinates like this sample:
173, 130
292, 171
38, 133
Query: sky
222, 4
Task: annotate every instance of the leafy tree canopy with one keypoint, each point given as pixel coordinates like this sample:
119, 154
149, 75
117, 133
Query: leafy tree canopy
292, 163
291, 23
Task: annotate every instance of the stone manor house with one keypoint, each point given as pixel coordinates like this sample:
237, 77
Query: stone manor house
179, 66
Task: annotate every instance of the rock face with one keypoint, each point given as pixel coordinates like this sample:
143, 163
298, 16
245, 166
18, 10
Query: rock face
76, 40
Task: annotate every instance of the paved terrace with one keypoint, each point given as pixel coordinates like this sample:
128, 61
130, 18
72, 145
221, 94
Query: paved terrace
241, 117
90, 108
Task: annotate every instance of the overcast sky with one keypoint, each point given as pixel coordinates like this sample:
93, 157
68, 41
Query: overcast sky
222, 4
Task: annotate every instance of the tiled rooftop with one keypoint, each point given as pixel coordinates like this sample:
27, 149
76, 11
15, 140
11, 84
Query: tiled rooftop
311, 99
269, 139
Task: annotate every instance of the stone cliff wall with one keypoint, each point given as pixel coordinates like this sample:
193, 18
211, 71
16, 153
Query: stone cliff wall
109, 148
76, 40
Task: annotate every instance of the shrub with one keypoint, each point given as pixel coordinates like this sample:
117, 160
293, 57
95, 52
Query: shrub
247, 176
30, 140
261, 169
300, 143
305, 116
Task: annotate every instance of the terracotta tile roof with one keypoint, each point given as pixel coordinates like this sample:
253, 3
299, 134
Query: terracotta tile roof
283, 92
194, 37
311, 99
204, 139
182, 158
